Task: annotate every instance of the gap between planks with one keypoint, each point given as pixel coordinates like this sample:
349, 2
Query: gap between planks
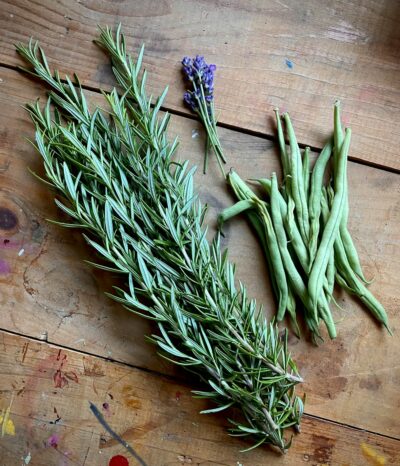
238, 129
178, 379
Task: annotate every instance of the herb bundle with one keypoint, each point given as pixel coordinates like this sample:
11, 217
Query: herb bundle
119, 183
302, 227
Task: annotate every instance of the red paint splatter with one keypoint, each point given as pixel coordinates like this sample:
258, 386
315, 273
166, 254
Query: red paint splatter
60, 381
53, 441
118, 460
178, 396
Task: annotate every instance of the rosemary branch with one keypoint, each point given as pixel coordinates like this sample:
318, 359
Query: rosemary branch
119, 183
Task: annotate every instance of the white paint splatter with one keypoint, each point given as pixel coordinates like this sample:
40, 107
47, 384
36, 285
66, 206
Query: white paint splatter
345, 32
80, 340
21, 252
195, 134
28, 458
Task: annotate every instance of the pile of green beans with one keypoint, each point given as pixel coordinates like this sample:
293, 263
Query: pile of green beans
302, 227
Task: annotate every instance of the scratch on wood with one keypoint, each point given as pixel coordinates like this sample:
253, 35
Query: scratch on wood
24, 351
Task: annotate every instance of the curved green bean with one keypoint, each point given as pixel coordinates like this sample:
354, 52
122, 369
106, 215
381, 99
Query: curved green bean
276, 261
314, 203
331, 229
348, 243
297, 182
354, 286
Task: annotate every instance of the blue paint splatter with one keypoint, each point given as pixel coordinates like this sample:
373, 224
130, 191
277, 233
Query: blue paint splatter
289, 63
104, 423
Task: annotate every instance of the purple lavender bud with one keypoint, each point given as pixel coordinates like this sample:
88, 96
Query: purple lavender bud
202, 76
188, 72
187, 62
199, 63
190, 100
208, 78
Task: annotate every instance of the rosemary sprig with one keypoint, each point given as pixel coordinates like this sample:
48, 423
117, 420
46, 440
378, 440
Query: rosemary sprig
120, 184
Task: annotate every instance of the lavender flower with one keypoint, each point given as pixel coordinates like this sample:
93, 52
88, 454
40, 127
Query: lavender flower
201, 75
200, 99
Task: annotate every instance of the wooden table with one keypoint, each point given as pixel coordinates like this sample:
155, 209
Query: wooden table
63, 343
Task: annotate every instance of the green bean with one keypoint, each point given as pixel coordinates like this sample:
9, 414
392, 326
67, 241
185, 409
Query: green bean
266, 233
331, 229
291, 222
325, 313
330, 271
294, 277
258, 226
291, 226
239, 187
338, 136
348, 244
277, 267
306, 170
314, 205
351, 252
234, 210
343, 284
282, 146
354, 286
291, 308
297, 182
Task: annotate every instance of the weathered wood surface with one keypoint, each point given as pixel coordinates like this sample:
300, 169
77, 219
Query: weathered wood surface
48, 290
298, 55
49, 390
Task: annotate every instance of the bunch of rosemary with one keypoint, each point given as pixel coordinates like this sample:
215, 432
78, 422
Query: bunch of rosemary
119, 183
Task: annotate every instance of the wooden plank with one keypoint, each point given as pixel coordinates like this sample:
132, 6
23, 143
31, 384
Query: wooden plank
49, 389
47, 289
298, 55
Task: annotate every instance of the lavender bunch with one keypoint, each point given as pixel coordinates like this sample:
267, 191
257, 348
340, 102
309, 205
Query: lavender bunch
200, 99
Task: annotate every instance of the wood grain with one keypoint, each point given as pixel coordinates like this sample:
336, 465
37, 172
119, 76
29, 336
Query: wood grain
298, 55
49, 293
156, 416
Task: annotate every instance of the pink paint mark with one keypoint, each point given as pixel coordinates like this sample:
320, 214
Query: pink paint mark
345, 119
178, 396
118, 460
53, 441
4, 267
6, 243
60, 381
